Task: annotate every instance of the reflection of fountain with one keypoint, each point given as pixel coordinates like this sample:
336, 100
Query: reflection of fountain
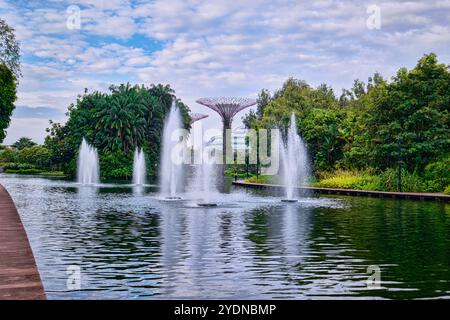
88, 167
171, 174
139, 169
294, 161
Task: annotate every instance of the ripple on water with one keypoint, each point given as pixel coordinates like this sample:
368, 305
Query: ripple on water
131, 245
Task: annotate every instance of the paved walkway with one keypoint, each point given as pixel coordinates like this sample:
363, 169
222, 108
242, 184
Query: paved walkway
19, 276
349, 192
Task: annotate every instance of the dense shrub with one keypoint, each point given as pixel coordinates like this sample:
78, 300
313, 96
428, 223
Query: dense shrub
260, 179
437, 175
8, 155
18, 166
24, 171
410, 182
447, 190
349, 180
116, 165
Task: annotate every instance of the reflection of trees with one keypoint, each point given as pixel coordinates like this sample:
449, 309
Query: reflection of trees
278, 244
409, 241
258, 231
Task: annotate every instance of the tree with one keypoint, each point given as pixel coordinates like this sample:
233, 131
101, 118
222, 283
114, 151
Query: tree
9, 49
23, 143
370, 126
263, 100
38, 156
116, 123
7, 98
412, 117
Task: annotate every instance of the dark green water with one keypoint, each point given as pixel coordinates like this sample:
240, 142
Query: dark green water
131, 245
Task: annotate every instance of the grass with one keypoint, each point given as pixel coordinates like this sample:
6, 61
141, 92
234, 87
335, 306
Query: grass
384, 181
260, 179
349, 180
34, 172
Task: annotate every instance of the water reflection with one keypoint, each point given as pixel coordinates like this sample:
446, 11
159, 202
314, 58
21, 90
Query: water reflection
131, 245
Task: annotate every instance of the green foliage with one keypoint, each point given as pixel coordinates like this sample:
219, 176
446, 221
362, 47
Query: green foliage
410, 182
22, 143
18, 166
24, 171
27, 158
350, 180
412, 117
447, 190
368, 180
116, 165
259, 179
8, 155
7, 97
9, 49
437, 175
371, 126
116, 123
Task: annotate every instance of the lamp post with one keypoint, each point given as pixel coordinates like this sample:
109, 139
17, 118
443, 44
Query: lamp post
399, 164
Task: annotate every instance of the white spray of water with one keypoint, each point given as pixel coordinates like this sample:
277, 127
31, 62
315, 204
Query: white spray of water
205, 179
139, 168
171, 172
88, 166
294, 159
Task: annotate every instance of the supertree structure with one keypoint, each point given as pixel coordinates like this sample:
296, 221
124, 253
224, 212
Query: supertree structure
197, 116
227, 108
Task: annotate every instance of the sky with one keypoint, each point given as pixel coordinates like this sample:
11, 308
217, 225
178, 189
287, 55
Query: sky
209, 48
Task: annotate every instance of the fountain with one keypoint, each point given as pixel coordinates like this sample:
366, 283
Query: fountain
139, 168
294, 161
88, 167
171, 173
206, 179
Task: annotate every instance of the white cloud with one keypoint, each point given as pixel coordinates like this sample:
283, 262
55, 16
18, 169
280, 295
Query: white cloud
218, 48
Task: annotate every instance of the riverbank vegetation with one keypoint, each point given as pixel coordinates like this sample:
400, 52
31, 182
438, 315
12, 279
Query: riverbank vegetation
366, 136
116, 123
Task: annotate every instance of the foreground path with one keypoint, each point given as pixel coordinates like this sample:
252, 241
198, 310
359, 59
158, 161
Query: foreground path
350, 192
19, 276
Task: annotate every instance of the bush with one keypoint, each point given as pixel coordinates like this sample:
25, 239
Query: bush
24, 171
8, 155
37, 155
349, 180
18, 166
410, 182
260, 179
116, 165
437, 175
447, 190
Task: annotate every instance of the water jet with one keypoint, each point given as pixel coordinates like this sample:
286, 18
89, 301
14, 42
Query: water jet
139, 168
294, 160
171, 174
88, 172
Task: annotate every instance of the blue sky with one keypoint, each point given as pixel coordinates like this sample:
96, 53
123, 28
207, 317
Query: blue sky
210, 48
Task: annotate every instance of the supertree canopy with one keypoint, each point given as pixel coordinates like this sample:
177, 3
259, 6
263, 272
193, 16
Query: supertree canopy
227, 108
197, 116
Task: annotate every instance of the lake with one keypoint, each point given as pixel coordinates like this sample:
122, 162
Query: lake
128, 243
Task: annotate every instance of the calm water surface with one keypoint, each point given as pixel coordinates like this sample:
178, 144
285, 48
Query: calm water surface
131, 245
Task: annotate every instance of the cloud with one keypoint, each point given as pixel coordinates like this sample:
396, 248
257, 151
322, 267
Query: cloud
207, 48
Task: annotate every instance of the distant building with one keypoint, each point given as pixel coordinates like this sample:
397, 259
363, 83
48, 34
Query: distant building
237, 140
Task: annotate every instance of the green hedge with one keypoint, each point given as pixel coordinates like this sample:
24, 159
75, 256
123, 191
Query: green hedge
24, 171
17, 166
434, 179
